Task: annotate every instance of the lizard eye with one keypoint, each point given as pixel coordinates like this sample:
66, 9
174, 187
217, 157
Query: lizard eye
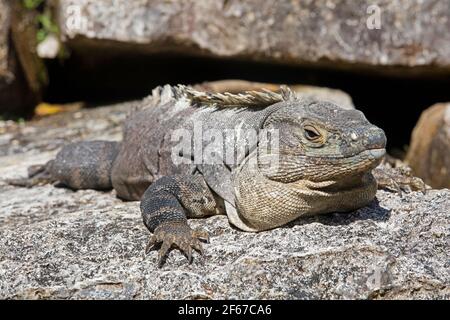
311, 133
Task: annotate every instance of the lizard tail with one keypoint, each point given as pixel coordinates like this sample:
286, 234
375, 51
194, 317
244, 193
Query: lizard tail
37, 175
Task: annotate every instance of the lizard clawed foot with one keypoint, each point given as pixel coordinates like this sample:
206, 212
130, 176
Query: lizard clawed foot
177, 234
398, 180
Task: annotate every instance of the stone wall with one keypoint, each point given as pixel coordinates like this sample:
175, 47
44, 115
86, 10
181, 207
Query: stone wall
336, 33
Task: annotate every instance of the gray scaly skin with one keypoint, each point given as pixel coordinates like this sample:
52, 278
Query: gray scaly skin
326, 158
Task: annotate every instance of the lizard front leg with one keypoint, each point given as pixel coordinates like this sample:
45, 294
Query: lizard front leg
165, 207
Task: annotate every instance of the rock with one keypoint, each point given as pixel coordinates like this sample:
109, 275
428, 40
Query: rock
4, 25
20, 70
347, 34
49, 48
58, 244
234, 86
339, 97
429, 152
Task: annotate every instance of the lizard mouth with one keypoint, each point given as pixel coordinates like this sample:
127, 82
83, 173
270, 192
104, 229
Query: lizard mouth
324, 168
376, 153
358, 163
369, 154
350, 173
367, 159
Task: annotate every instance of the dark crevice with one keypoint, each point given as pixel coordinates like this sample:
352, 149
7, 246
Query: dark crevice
393, 103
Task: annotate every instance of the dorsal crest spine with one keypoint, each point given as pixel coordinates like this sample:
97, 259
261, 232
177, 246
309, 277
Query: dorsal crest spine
248, 99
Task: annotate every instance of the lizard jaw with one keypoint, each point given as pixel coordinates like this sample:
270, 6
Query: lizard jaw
377, 153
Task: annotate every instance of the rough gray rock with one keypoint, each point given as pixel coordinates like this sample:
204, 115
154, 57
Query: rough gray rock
411, 33
56, 243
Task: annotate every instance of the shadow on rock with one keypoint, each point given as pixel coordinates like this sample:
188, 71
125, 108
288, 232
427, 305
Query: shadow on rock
372, 212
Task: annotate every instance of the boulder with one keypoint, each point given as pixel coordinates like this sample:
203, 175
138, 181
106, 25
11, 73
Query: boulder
429, 152
341, 34
21, 72
4, 26
60, 244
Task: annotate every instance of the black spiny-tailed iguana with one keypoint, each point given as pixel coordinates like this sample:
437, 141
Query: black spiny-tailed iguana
320, 161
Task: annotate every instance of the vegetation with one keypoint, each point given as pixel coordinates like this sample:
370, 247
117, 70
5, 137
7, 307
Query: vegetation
44, 18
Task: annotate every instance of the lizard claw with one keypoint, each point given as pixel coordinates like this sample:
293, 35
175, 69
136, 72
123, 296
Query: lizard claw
163, 252
151, 243
201, 234
177, 234
398, 180
197, 246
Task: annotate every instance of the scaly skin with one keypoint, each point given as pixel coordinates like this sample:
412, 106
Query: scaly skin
325, 160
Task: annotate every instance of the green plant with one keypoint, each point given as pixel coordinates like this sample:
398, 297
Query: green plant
32, 4
44, 19
47, 26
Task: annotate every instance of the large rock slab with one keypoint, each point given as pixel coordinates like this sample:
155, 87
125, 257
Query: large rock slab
429, 152
86, 245
407, 33
56, 243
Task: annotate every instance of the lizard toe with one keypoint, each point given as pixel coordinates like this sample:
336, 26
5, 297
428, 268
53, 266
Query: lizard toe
151, 244
201, 234
179, 235
163, 252
398, 180
198, 246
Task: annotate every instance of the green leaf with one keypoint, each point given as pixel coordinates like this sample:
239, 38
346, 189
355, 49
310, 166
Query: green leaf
32, 4
41, 35
47, 24
45, 21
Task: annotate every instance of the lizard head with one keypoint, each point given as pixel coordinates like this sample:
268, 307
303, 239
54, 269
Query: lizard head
319, 141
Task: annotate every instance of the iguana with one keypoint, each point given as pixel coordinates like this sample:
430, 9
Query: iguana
324, 161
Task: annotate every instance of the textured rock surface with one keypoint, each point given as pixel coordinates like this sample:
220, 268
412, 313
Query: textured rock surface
56, 243
4, 26
429, 152
15, 93
7, 62
412, 33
